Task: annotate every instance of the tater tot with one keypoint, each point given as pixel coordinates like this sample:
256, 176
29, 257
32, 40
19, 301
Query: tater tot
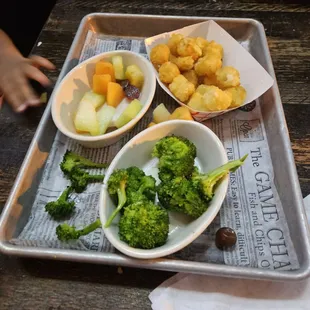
210, 80
181, 88
191, 76
213, 49
183, 63
202, 89
188, 47
168, 71
159, 55
201, 42
227, 77
210, 98
207, 65
173, 43
238, 96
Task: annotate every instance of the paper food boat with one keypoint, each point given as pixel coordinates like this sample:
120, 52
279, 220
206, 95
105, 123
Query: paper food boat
253, 77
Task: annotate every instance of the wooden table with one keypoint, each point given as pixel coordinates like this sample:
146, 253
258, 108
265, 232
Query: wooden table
37, 284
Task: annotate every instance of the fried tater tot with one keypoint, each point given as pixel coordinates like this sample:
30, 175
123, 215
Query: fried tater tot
159, 55
213, 49
168, 71
201, 42
173, 43
191, 76
210, 98
238, 96
202, 89
188, 47
181, 88
183, 63
210, 80
227, 77
207, 65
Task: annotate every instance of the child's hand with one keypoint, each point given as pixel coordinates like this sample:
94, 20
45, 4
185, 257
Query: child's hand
15, 72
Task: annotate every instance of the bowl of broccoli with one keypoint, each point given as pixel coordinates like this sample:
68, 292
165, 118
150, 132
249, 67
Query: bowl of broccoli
164, 188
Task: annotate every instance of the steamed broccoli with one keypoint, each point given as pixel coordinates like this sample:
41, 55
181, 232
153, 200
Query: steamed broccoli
139, 187
144, 225
192, 196
117, 186
66, 232
205, 183
180, 195
71, 160
176, 156
165, 175
135, 175
80, 179
61, 207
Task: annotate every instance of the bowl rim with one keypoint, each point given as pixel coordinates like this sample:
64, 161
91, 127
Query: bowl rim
114, 133
158, 252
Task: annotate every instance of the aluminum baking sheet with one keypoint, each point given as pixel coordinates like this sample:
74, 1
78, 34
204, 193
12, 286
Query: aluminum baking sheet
251, 35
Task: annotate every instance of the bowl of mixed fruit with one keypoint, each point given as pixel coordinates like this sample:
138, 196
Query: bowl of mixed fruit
103, 97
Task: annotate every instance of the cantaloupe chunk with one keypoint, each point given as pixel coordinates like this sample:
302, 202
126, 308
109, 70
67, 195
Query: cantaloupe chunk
181, 113
115, 94
104, 67
151, 124
100, 83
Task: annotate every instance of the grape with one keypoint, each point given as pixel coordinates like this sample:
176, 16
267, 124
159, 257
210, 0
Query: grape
132, 92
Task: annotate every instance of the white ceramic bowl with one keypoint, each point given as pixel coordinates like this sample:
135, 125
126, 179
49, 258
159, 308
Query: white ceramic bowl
137, 152
79, 80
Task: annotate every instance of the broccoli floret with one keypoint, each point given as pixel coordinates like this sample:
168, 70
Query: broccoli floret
165, 175
80, 179
71, 160
174, 145
139, 186
145, 192
61, 207
144, 225
205, 183
180, 195
176, 156
117, 186
66, 232
135, 175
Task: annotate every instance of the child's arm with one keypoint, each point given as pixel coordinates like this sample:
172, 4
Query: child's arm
15, 72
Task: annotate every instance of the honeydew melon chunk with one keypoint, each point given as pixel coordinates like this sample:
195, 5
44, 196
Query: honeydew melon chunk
86, 118
129, 113
96, 100
104, 116
119, 110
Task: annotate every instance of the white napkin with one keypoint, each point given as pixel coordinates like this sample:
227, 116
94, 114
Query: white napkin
197, 292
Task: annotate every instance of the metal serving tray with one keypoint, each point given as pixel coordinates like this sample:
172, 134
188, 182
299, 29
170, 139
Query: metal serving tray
247, 31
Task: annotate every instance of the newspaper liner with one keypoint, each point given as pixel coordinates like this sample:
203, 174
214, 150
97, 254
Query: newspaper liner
253, 77
252, 206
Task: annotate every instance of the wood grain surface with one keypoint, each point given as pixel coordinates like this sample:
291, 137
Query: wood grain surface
37, 284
